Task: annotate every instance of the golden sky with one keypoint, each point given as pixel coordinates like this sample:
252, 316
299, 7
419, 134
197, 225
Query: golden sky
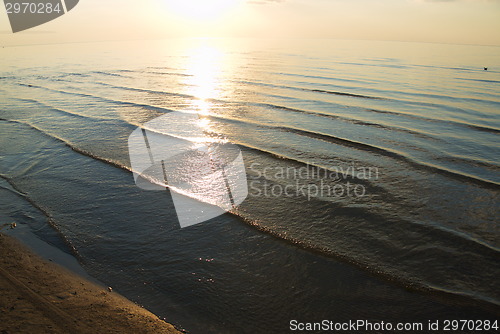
440, 21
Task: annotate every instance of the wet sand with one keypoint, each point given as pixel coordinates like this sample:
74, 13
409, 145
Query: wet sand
37, 296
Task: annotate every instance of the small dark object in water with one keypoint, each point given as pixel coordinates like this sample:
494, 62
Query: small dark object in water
485, 68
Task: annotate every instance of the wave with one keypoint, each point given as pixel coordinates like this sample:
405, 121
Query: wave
470, 69
70, 145
461, 159
314, 90
480, 80
435, 120
314, 113
348, 94
103, 99
50, 220
348, 119
374, 149
110, 74
399, 114
325, 77
153, 72
52, 108
149, 91
279, 156
337, 140
352, 120
343, 94
73, 74
455, 239
449, 236
386, 98
168, 73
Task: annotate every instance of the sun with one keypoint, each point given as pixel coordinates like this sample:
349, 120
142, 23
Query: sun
202, 10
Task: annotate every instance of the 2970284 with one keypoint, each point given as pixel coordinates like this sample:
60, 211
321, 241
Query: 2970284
471, 325
32, 8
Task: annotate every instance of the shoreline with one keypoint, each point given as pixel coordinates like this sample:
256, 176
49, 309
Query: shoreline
38, 296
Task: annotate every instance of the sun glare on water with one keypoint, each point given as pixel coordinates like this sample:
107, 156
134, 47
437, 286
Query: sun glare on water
204, 67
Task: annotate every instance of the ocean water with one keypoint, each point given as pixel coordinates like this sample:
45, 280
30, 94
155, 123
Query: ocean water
372, 167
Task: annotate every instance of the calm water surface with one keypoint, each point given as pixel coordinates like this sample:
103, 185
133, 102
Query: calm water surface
399, 140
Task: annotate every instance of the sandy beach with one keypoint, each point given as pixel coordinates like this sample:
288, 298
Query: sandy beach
37, 296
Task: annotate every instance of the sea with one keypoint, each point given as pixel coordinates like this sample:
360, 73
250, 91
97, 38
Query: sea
372, 168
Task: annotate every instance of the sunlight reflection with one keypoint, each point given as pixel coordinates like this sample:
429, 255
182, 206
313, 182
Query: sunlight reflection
204, 68
204, 123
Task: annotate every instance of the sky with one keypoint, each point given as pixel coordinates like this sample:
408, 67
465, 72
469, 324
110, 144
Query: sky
435, 21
